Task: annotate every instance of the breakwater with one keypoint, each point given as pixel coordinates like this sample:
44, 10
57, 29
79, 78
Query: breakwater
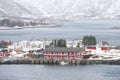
56, 62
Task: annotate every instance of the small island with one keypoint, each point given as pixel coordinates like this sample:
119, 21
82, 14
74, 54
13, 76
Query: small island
115, 28
59, 51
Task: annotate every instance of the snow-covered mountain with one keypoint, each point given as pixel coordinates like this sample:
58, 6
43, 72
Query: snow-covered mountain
84, 9
14, 9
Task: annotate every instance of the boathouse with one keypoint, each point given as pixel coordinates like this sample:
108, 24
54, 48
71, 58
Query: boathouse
62, 53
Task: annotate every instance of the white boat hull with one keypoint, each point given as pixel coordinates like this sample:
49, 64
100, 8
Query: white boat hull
63, 63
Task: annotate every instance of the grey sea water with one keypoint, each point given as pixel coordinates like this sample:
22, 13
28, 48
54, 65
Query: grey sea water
58, 72
69, 30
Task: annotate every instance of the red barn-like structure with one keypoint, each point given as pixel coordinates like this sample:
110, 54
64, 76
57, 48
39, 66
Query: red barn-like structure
62, 53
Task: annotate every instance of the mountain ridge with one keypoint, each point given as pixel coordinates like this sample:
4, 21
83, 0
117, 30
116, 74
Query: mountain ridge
67, 9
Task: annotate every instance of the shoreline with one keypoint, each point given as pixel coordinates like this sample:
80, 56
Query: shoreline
52, 62
30, 27
26, 27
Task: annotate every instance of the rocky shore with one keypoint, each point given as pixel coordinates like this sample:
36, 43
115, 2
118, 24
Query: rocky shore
82, 62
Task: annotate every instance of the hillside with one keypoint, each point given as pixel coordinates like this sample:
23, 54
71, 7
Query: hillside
66, 9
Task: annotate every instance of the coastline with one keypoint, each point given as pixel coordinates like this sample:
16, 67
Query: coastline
52, 62
25, 27
11, 28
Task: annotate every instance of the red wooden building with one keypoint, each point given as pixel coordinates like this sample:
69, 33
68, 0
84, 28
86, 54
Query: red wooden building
4, 51
90, 48
105, 48
4, 54
62, 53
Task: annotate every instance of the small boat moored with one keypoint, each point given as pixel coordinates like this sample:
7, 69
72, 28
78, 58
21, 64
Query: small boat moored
63, 63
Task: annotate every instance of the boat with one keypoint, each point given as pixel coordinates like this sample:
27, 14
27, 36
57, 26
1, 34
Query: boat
63, 63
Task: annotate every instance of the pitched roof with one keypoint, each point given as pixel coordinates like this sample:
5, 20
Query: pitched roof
62, 49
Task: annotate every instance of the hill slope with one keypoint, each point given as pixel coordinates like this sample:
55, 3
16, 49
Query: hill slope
84, 9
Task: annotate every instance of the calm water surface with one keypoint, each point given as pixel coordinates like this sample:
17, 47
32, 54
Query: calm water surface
57, 72
70, 30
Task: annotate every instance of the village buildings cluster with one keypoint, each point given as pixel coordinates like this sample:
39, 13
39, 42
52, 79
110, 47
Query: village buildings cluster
74, 50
